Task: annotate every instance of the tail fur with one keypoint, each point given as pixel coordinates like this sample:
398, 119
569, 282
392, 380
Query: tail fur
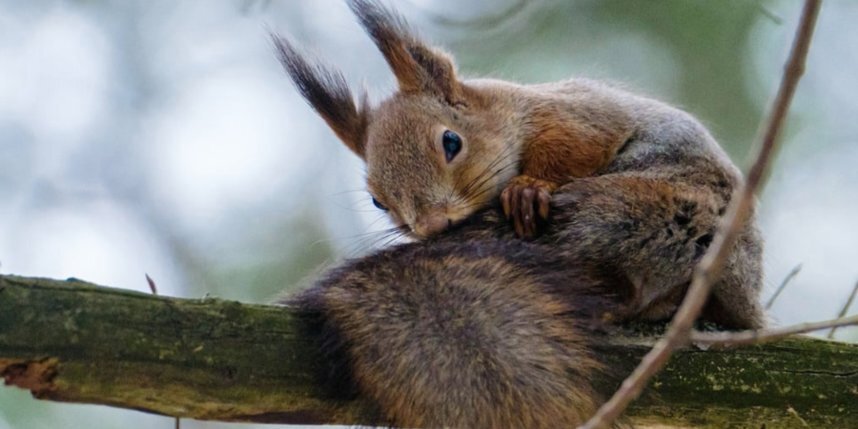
474, 334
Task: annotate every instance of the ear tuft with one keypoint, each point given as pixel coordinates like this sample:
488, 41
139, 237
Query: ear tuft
327, 92
418, 67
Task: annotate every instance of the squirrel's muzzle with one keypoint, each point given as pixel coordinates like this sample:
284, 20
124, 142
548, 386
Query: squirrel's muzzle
431, 223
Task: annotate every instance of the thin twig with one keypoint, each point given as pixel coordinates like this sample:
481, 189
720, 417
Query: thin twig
783, 285
844, 309
768, 13
152, 287
481, 21
710, 266
766, 335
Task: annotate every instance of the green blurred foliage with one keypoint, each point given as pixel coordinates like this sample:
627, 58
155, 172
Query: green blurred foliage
706, 43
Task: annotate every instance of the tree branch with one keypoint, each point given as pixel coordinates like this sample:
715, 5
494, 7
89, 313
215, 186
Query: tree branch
844, 309
221, 360
766, 335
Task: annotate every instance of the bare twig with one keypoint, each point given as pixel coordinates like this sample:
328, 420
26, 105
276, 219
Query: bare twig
844, 309
783, 285
481, 21
768, 13
152, 287
766, 335
710, 266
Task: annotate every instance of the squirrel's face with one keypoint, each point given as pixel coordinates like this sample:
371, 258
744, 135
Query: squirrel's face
431, 158
428, 164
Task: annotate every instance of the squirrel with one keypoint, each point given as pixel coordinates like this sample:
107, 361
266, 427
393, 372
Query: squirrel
471, 326
441, 147
477, 329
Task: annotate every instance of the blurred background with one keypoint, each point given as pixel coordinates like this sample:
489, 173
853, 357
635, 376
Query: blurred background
162, 137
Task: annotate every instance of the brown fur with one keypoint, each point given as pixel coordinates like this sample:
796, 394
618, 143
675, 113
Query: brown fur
476, 334
548, 132
474, 327
552, 133
563, 147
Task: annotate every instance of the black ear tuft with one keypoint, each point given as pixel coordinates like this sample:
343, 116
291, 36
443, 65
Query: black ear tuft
327, 92
392, 37
378, 19
418, 67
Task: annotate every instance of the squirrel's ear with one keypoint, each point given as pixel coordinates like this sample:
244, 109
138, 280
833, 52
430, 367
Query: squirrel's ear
418, 67
326, 90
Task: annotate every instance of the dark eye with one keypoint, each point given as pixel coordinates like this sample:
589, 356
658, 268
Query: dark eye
378, 204
452, 144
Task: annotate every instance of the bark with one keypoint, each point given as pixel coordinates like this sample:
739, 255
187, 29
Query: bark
222, 360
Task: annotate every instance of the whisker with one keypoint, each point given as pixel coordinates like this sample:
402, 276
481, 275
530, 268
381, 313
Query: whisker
486, 176
486, 168
396, 236
351, 237
476, 204
375, 243
481, 188
491, 173
371, 242
503, 155
347, 191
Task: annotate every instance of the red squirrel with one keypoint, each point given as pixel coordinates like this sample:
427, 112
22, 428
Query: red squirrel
472, 327
443, 147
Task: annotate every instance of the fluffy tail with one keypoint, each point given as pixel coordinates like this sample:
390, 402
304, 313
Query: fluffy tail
477, 333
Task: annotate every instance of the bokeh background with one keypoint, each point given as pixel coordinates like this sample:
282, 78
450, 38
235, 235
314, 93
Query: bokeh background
162, 137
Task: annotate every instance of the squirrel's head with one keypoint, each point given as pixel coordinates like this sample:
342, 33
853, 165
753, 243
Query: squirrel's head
433, 153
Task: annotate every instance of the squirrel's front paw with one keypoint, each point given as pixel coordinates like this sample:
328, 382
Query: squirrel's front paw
523, 200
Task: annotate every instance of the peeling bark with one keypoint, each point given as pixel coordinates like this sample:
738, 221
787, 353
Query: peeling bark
36, 376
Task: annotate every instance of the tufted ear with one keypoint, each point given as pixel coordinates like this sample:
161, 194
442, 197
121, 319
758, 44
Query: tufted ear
326, 90
417, 67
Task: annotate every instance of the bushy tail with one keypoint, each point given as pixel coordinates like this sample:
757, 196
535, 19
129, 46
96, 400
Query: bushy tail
475, 333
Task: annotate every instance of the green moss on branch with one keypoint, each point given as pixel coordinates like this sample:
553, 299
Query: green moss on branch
222, 360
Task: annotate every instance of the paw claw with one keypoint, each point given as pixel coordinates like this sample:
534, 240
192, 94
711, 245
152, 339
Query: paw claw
505, 203
544, 200
526, 214
523, 200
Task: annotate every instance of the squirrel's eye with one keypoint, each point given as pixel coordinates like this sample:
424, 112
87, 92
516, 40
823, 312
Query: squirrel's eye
452, 144
379, 205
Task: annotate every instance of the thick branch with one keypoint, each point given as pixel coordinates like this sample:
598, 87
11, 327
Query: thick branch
220, 360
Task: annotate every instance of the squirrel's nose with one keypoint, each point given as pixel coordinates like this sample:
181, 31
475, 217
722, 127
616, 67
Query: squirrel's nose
431, 224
